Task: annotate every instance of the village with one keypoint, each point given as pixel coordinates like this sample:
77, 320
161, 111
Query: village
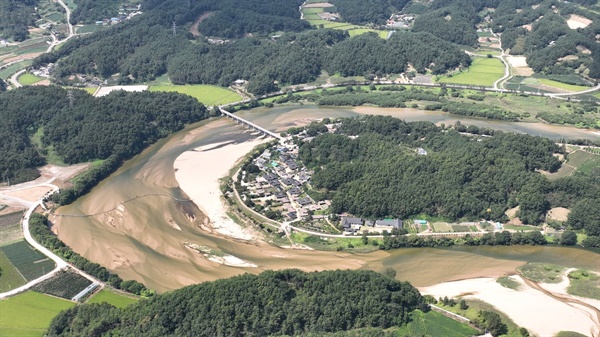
277, 185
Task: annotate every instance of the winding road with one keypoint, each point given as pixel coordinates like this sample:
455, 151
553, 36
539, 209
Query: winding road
60, 263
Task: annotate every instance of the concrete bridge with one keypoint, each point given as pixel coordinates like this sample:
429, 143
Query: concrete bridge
249, 124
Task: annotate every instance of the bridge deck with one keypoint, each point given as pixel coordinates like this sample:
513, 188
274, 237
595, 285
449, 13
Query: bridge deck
250, 124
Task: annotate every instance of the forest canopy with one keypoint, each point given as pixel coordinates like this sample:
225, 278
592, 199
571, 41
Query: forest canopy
16, 16
288, 302
39, 120
377, 173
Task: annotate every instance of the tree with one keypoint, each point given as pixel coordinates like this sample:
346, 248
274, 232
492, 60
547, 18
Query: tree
390, 272
463, 305
568, 238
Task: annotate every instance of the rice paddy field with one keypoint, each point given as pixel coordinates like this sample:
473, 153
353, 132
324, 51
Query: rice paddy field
482, 72
111, 297
29, 314
208, 94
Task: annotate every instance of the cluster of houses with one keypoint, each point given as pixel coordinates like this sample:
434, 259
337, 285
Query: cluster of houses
281, 180
44, 72
125, 13
400, 21
354, 225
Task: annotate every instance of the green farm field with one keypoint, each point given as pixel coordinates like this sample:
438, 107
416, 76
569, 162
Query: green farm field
563, 86
13, 68
30, 263
207, 94
29, 79
483, 72
111, 297
10, 277
435, 324
29, 314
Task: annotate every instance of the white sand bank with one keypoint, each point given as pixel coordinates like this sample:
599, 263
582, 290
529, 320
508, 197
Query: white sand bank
527, 307
198, 173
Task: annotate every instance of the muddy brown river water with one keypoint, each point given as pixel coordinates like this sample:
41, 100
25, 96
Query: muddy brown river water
144, 239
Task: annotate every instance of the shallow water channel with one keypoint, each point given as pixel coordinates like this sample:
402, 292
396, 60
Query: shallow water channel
144, 239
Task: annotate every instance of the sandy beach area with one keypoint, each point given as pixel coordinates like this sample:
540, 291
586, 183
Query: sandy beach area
527, 307
198, 173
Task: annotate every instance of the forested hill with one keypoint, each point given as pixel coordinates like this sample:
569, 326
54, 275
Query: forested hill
16, 16
144, 48
38, 120
378, 174
288, 302
89, 11
362, 12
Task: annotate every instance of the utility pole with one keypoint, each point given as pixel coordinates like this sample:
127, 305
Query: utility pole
70, 97
174, 29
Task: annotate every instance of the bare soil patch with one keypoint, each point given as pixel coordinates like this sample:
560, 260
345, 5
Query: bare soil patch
576, 21
558, 214
512, 213
30, 194
202, 17
517, 61
21, 57
43, 82
528, 27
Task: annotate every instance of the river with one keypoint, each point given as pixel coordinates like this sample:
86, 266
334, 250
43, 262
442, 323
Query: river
144, 239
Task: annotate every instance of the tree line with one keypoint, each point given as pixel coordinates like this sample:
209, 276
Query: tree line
288, 302
38, 227
40, 120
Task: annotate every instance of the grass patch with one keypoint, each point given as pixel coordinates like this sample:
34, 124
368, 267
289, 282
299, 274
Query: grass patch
441, 227
434, 324
563, 86
207, 94
483, 71
10, 277
29, 314
508, 282
584, 283
55, 17
29, 79
111, 297
542, 272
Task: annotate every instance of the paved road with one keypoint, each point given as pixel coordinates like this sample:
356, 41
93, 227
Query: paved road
14, 79
60, 263
596, 88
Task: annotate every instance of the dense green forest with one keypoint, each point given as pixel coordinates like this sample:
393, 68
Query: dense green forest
378, 174
289, 302
16, 16
38, 226
37, 120
144, 48
362, 12
89, 11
